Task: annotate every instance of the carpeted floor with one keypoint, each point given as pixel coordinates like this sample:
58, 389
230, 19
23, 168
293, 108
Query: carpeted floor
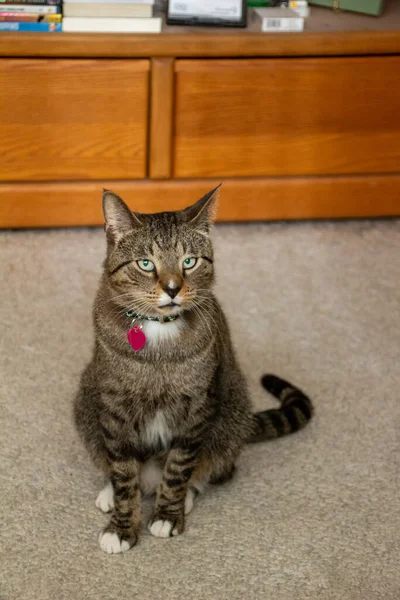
312, 516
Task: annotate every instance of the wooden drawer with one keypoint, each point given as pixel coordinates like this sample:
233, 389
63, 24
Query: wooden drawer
73, 119
286, 116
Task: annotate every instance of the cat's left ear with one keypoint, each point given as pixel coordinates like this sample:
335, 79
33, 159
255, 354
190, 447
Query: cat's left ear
202, 214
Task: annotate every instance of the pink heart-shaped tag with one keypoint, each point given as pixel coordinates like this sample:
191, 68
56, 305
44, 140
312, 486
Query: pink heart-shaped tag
136, 338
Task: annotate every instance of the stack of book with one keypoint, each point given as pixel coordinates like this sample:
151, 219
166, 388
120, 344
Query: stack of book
110, 16
30, 15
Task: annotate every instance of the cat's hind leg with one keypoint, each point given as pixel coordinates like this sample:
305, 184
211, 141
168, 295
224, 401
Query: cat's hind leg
206, 473
105, 498
222, 475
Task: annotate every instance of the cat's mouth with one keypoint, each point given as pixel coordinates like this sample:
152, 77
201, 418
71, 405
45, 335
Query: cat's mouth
171, 308
165, 302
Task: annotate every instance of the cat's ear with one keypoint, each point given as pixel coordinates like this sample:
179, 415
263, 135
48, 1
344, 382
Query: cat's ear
118, 218
202, 214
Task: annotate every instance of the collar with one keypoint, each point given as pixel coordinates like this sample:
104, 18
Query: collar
136, 316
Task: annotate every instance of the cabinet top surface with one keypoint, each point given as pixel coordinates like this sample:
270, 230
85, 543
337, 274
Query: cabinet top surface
326, 33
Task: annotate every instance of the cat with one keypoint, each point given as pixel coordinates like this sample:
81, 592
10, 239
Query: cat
173, 414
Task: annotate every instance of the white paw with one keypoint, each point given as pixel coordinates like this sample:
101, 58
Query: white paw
189, 501
110, 543
161, 529
105, 499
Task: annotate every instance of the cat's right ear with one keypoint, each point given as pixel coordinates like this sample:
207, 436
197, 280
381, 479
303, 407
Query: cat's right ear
118, 218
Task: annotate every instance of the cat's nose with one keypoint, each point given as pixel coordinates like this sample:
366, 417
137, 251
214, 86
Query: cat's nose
172, 289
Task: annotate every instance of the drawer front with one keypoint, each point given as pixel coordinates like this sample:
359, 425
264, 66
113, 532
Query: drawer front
286, 117
73, 119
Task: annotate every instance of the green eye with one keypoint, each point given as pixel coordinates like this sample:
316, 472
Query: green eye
189, 263
146, 265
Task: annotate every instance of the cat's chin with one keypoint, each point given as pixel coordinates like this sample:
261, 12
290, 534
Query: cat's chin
170, 310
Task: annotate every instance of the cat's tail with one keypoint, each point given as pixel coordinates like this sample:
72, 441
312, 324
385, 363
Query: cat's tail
295, 411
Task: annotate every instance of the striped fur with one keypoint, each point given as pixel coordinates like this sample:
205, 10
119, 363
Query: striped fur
178, 410
295, 411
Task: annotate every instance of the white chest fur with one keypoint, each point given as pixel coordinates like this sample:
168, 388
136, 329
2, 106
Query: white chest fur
157, 332
157, 431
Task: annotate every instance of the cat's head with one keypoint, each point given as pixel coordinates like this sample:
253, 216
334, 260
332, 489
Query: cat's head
159, 264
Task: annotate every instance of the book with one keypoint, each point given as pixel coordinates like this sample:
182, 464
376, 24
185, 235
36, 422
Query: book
107, 9
264, 3
29, 18
39, 9
29, 3
38, 27
110, 1
279, 19
369, 7
111, 25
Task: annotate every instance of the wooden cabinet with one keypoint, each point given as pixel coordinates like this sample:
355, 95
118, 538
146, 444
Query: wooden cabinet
297, 125
281, 117
73, 119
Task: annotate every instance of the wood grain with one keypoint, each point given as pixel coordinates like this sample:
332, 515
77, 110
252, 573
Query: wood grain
206, 44
287, 117
66, 204
73, 119
161, 115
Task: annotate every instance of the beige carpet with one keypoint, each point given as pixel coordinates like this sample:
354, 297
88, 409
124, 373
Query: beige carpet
312, 516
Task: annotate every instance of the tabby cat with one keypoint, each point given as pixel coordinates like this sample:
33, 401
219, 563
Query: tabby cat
163, 406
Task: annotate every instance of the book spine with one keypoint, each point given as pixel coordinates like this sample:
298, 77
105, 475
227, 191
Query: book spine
31, 2
29, 9
112, 25
26, 18
38, 27
134, 2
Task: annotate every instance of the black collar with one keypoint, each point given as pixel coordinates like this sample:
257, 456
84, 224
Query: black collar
161, 319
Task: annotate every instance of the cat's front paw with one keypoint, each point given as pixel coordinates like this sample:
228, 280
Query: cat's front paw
114, 542
164, 525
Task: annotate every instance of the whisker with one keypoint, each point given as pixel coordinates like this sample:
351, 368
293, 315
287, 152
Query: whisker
210, 316
202, 319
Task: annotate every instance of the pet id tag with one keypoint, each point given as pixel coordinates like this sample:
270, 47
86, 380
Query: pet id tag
136, 338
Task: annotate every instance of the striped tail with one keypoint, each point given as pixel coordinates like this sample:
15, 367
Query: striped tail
295, 411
